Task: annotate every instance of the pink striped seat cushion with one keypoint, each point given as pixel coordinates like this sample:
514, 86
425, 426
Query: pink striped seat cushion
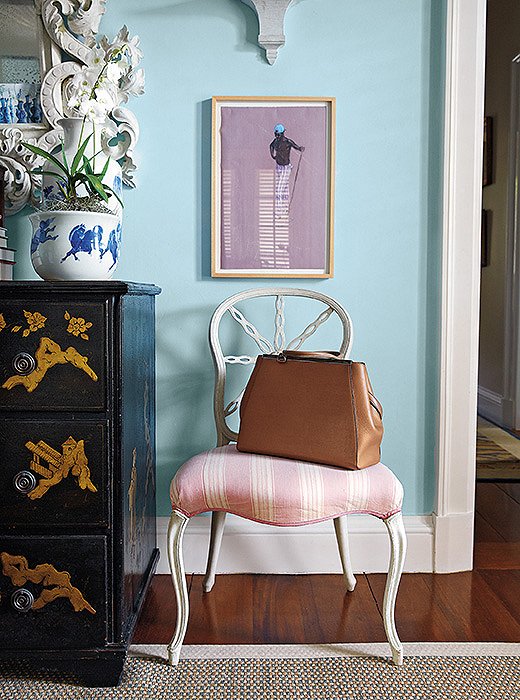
281, 491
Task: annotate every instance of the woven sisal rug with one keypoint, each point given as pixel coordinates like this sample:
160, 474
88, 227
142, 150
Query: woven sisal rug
300, 672
494, 461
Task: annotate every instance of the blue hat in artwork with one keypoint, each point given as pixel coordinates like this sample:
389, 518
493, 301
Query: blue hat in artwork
279, 129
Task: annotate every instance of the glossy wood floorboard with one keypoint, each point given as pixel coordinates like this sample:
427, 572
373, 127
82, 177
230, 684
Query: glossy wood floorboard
479, 605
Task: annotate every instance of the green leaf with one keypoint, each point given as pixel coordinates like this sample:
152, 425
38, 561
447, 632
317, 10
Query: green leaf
64, 155
105, 168
47, 156
64, 193
92, 159
41, 171
79, 155
115, 194
98, 187
87, 166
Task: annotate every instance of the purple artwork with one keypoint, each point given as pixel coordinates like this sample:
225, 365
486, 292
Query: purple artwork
273, 185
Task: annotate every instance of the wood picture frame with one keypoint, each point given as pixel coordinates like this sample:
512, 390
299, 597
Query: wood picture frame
272, 187
487, 156
484, 238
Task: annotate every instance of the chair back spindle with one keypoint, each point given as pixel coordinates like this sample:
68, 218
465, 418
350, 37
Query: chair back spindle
225, 433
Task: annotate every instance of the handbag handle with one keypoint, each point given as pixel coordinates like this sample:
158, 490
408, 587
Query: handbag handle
285, 355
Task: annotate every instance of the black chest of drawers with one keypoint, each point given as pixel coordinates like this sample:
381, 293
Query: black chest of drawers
77, 472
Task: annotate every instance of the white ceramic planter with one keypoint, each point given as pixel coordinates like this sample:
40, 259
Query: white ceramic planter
75, 245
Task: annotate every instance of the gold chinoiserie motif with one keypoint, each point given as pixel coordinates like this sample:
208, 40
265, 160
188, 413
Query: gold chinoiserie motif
16, 568
77, 326
35, 321
72, 461
132, 489
47, 355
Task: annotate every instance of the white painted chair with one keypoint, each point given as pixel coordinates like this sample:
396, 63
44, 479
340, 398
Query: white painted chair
272, 490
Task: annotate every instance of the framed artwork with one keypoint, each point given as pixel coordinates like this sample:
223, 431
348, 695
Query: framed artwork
272, 186
484, 239
487, 158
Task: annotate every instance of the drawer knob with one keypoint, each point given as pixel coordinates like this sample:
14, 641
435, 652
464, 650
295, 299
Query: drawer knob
24, 363
22, 600
24, 481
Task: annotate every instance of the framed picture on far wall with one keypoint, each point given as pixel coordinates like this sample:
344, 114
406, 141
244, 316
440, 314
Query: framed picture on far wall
487, 156
272, 186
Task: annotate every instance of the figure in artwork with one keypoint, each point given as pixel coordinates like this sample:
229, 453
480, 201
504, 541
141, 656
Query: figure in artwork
113, 245
280, 149
42, 234
84, 240
73, 460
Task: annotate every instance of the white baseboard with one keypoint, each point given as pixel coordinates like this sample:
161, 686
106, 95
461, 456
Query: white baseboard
453, 542
490, 405
249, 547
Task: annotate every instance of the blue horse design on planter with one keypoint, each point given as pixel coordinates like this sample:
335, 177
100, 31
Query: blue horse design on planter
117, 185
49, 193
42, 234
113, 245
84, 240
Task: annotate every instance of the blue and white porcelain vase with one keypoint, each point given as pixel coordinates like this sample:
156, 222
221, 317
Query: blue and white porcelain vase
75, 131
75, 245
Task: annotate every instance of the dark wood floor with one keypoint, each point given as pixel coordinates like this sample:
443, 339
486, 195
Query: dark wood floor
481, 605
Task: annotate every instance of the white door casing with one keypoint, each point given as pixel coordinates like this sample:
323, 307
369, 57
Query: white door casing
464, 112
511, 400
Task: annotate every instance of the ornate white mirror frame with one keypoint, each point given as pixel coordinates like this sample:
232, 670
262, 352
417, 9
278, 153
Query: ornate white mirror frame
60, 23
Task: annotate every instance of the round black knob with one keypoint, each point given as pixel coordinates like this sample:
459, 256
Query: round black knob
24, 481
22, 600
24, 363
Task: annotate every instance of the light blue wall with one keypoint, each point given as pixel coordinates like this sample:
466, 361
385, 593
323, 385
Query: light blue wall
381, 59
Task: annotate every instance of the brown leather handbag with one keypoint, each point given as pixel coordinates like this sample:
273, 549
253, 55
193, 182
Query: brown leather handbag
312, 407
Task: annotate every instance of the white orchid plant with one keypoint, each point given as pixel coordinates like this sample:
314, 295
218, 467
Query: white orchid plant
92, 93
108, 80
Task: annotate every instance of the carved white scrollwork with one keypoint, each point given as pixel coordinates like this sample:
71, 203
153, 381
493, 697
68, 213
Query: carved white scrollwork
17, 181
51, 90
124, 127
83, 22
66, 27
18, 162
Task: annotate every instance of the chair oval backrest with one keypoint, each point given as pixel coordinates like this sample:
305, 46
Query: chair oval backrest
224, 433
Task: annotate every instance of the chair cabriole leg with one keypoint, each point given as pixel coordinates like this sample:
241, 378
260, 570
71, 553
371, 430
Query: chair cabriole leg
218, 519
340, 527
397, 535
176, 528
